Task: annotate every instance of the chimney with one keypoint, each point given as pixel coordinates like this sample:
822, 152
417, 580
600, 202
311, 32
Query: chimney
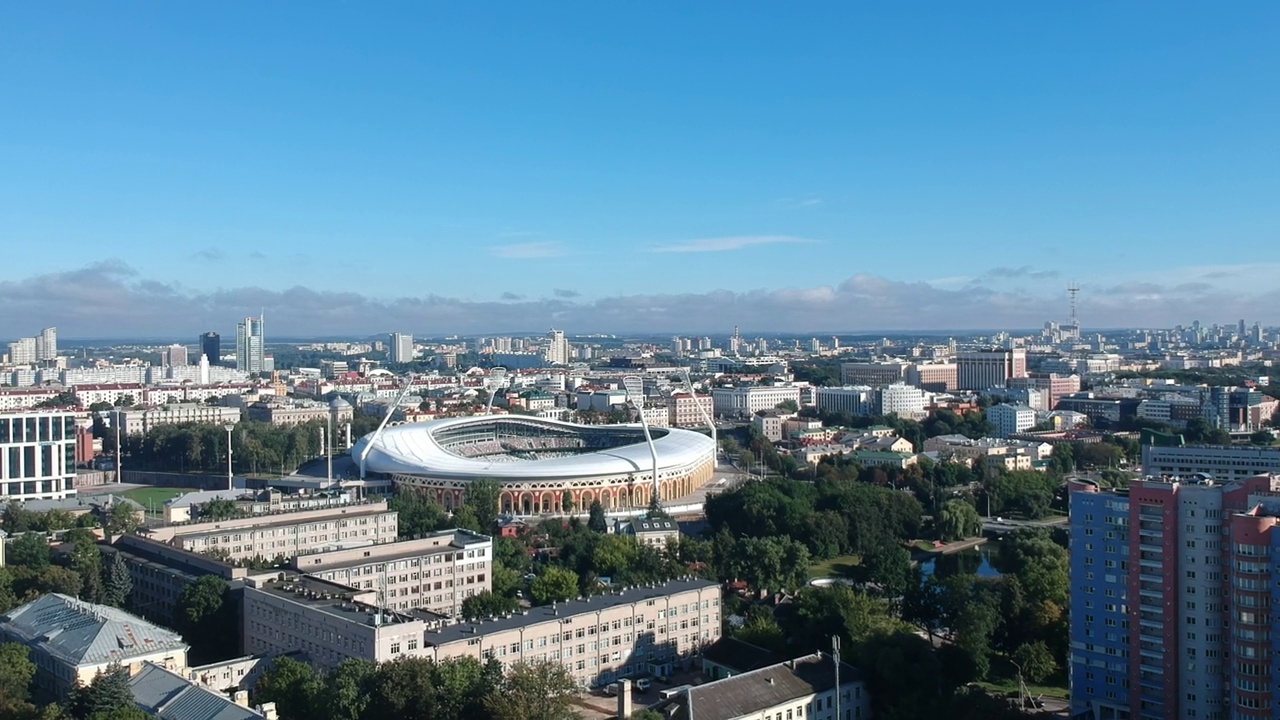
624, 699
268, 710
241, 698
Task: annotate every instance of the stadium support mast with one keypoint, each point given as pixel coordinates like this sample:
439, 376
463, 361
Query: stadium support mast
497, 379
634, 385
408, 384
711, 425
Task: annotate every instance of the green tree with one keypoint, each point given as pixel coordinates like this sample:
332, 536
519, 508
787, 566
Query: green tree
404, 689
86, 561
1036, 661
889, 566
763, 632
418, 513
17, 520
29, 550
958, 520
533, 691
107, 696
220, 509
596, 520
554, 584
482, 497
788, 406
206, 618
487, 604
8, 598
122, 519
16, 673
117, 584
294, 687
347, 689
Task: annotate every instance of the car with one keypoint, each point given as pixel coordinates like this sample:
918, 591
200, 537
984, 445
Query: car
611, 689
643, 684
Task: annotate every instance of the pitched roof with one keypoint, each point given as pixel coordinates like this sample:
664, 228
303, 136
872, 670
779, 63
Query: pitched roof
749, 693
650, 525
739, 656
81, 633
169, 696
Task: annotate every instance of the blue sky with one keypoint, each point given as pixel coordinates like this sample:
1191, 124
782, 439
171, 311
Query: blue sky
466, 167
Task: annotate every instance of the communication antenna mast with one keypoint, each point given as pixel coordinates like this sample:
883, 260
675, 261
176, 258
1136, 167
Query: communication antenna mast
497, 380
634, 385
1073, 290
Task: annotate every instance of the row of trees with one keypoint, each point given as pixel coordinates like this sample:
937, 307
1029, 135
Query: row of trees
411, 688
80, 571
107, 697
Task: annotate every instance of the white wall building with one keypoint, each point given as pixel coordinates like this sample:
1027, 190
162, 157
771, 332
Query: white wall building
743, 402
139, 421
903, 400
401, 349
852, 399
1010, 419
801, 688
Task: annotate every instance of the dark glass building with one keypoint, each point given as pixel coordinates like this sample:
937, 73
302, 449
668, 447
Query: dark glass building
211, 347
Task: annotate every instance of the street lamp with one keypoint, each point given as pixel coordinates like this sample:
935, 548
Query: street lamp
230, 482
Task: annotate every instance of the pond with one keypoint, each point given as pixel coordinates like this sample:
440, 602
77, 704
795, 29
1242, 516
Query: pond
980, 561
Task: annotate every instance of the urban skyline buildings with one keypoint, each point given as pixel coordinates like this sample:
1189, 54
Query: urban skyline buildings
211, 347
250, 345
401, 348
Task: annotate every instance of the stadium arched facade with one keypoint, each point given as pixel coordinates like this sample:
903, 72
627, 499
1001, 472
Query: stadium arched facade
542, 465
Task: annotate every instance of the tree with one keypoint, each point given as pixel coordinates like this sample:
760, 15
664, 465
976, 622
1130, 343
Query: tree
788, 406
347, 689
29, 550
1262, 437
16, 673
206, 618
533, 691
763, 632
122, 519
487, 604
655, 508
1036, 661
596, 521
554, 584
220, 509
8, 599
117, 584
958, 520
404, 689
482, 497
889, 566
86, 561
107, 696
293, 686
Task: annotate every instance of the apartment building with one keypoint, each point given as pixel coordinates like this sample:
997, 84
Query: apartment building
685, 412
1053, 385
434, 573
769, 423
743, 402
141, 420
1223, 462
286, 534
1171, 586
631, 631
37, 455
935, 377
902, 400
24, 398
296, 412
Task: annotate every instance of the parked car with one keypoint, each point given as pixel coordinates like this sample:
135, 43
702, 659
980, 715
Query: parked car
643, 684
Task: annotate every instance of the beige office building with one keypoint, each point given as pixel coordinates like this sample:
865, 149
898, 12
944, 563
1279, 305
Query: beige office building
629, 632
287, 534
434, 573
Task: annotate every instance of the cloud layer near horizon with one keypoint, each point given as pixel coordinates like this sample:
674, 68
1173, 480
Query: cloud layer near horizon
109, 299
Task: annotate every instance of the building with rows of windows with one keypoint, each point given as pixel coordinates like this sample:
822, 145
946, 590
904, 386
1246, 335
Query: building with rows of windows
37, 455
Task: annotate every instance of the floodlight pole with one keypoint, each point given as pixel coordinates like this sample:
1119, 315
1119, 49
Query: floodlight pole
497, 379
701, 410
408, 384
634, 385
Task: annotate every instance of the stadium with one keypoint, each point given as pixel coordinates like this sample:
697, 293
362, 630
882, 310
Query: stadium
543, 465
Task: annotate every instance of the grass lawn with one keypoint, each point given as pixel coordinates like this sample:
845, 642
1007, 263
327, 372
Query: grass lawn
1008, 686
840, 566
154, 496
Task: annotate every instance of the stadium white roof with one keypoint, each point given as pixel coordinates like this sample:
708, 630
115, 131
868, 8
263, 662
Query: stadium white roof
412, 449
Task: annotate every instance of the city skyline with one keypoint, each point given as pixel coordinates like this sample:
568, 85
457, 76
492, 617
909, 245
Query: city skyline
467, 171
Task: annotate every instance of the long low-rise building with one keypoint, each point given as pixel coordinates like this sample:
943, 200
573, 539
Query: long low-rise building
160, 573
628, 632
434, 573
286, 534
1224, 462
139, 421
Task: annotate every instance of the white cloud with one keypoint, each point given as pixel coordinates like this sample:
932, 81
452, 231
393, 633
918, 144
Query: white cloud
725, 244
524, 251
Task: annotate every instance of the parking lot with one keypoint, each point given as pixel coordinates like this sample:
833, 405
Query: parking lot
598, 706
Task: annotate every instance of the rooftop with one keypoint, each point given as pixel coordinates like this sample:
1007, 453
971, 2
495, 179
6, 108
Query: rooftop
749, 693
81, 633
398, 550
169, 696
334, 599
650, 525
551, 613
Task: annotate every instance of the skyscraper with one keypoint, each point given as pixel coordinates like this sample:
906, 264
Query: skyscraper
211, 347
1172, 581
175, 356
557, 351
47, 344
401, 350
23, 351
250, 343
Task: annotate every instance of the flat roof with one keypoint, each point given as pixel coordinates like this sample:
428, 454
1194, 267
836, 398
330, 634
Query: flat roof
283, 523
333, 599
560, 611
461, 539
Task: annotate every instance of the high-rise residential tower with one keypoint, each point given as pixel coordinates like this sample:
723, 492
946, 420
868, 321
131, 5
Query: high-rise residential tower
557, 350
250, 344
47, 344
401, 350
211, 347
